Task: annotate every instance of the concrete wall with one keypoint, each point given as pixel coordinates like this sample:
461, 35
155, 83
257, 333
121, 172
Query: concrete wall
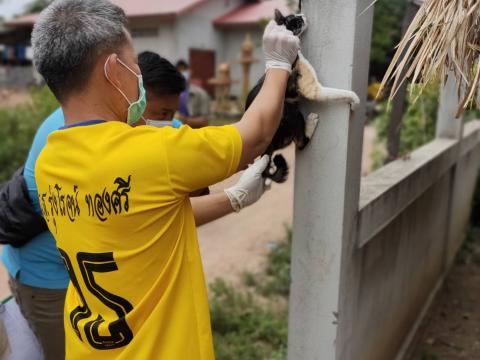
464, 185
163, 41
413, 217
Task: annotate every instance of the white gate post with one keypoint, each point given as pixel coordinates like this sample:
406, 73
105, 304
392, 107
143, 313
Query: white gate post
327, 183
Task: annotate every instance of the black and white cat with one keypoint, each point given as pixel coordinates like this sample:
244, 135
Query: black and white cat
303, 83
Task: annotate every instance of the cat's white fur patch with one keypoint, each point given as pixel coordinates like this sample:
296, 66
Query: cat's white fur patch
310, 88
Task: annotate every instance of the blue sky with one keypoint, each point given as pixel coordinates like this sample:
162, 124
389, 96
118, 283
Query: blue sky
9, 8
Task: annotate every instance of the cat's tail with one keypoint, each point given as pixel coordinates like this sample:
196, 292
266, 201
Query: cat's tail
280, 175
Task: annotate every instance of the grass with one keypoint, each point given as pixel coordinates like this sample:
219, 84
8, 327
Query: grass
18, 126
467, 248
251, 324
428, 356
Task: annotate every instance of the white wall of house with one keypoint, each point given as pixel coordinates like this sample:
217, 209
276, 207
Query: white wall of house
160, 38
174, 38
195, 29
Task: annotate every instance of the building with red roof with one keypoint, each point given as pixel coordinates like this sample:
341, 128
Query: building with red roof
203, 32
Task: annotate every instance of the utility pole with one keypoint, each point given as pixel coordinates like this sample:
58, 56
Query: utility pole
327, 185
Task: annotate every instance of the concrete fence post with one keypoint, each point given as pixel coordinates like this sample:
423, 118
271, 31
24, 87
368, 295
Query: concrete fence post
447, 125
450, 128
327, 185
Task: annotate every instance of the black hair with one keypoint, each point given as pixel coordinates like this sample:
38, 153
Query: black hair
159, 75
182, 63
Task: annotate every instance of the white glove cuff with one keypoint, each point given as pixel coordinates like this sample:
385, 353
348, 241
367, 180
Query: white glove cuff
234, 201
279, 65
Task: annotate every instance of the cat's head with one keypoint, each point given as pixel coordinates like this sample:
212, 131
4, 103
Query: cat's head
296, 23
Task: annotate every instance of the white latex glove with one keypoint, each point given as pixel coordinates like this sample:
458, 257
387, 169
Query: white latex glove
280, 47
251, 185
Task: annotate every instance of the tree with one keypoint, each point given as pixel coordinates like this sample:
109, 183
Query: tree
36, 6
387, 32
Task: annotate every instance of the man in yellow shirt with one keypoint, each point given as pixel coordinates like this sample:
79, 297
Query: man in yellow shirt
116, 197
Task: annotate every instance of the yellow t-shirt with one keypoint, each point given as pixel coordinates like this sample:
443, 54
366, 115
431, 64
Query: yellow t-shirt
116, 200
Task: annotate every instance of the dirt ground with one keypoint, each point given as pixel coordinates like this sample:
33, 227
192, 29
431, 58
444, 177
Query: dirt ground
13, 97
451, 329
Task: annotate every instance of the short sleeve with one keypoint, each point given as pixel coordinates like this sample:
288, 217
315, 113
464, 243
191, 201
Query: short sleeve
198, 158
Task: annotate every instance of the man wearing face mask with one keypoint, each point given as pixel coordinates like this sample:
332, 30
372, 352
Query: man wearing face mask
116, 197
38, 277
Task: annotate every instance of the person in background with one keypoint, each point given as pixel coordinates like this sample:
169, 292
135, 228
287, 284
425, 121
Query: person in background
164, 84
37, 275
194, 101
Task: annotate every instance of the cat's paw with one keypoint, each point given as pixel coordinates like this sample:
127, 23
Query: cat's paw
311, 124
354, 101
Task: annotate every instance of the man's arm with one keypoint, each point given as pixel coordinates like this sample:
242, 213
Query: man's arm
210, 207
261, 120
247, 191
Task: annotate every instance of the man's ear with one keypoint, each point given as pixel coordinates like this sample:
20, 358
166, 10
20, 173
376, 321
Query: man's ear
111, 69
279, 18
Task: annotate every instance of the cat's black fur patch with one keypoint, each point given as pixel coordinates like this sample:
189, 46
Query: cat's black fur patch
292, 124
280, 163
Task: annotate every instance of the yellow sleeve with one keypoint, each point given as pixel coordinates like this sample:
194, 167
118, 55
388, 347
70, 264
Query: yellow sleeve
197, 158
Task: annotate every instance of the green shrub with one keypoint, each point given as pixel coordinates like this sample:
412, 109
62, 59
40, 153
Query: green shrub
386, 34
252, 324
278, 270
418, 124
18, 125
244, 329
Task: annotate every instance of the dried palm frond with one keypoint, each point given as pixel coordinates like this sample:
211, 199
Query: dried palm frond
443, 39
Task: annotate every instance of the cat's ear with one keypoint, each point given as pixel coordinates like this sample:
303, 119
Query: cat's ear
279, 18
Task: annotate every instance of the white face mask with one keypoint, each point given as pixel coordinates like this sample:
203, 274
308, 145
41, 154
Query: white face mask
186, 74
158, 123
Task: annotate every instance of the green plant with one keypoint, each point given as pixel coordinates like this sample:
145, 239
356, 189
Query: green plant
252, 324
36, 6
386, 33
428, 356
244, 329
18, 127
418, 124
278, 269
467, 248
